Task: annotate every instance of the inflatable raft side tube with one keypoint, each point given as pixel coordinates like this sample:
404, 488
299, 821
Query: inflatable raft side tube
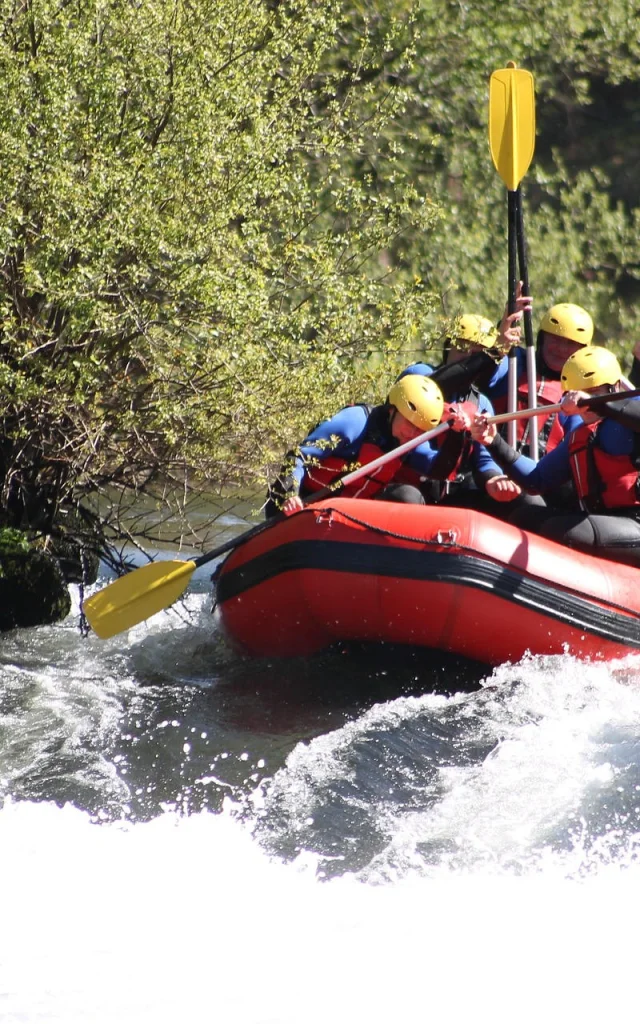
577, 610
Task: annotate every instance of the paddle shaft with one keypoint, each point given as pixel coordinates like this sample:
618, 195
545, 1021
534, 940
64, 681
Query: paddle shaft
325, 492
512, 378
528, 328
523, 264
546, 410
512, 142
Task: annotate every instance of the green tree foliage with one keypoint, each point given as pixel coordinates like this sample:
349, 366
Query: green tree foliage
186, 266
224, 219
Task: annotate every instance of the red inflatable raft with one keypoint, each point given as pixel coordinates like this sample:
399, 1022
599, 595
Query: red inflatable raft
443, 578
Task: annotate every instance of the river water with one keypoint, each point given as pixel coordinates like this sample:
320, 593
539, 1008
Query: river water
367, 836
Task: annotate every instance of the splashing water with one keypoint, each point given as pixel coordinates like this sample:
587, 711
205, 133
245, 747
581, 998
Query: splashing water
188, 835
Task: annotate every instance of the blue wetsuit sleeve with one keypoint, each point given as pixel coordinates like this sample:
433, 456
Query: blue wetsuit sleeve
332, 437
553, 470
494, 386
569, 423
484, 406
416, 368
436, 462
482, 465
498, 384
614, 436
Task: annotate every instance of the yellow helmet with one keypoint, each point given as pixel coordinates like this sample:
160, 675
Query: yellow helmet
475, 329
568, 321
590, 367
418, 399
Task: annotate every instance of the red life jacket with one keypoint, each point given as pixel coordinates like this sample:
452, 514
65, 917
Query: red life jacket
602, 481
408, 475
555, 434
326, 471
470, 406
548, 392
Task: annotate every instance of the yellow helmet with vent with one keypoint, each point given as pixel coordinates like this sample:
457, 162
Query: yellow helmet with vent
418, 399
475, 330
590, 367
568, 321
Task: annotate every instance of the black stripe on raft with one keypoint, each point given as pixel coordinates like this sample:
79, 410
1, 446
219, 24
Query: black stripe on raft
440, 566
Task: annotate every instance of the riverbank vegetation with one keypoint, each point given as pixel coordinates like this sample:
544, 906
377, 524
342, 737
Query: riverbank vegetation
222, 220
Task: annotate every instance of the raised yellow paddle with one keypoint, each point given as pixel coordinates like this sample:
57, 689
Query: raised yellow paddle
512, 123
512, 131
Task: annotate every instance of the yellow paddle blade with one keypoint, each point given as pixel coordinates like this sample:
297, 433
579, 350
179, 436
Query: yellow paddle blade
512, 123
136, 596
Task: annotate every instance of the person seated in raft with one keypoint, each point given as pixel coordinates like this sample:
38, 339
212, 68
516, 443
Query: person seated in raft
472, 334
472, 350
564, 329
475, 482
601, 456
359, 434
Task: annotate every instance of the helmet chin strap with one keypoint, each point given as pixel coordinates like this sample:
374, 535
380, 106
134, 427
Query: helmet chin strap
543, 367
